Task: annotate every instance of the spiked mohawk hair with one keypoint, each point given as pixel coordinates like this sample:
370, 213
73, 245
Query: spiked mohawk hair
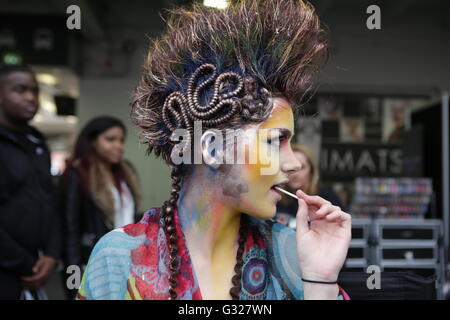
277, 43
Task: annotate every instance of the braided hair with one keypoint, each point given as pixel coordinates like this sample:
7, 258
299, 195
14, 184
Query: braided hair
168, 212
221, 67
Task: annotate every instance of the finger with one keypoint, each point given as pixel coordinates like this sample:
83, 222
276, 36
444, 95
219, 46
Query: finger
38, 276
302, 218
31, 279
47, 271
339, 216
312, 200
27, 279
347, 220
334, 216
325, 209
37, 266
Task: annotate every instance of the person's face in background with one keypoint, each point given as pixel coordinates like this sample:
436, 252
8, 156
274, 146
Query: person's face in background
398, 114
300, 179
19, 97
109, 145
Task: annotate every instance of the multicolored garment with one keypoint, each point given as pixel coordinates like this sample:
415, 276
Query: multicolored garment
133, 263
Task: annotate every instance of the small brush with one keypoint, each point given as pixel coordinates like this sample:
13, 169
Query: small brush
287, 192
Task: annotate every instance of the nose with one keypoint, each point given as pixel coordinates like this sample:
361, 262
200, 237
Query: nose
120, 146
290, 163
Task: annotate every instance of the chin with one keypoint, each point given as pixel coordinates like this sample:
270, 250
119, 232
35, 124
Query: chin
115, 161
263, 212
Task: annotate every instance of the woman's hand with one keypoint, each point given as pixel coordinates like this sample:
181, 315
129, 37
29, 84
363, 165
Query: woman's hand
321, 246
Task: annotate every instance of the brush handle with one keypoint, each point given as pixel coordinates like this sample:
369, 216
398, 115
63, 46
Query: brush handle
287, 192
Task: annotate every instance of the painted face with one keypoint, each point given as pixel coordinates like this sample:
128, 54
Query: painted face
302, 178
109, 145
268, 163
19, 96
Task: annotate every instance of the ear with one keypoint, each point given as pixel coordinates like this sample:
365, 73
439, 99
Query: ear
212, 148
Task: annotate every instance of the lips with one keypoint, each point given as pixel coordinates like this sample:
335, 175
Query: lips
281, 184
275, 191
30, 108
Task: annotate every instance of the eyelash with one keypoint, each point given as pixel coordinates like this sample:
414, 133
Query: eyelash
281, 138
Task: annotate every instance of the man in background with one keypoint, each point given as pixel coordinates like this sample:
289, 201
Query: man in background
29, 229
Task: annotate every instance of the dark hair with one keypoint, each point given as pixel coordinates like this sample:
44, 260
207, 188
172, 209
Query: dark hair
83, 155
6, 69
210, 59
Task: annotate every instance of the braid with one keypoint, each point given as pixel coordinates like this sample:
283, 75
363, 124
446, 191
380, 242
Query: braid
236, 279
168, 211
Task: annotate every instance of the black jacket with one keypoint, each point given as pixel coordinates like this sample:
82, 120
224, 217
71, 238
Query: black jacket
28, 221
84, 222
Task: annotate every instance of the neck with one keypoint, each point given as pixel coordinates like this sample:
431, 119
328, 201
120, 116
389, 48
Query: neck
211, 226
13, 125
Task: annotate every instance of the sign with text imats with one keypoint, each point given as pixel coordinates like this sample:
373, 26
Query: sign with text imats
345, 161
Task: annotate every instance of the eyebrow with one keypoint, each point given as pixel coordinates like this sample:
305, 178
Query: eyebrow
284, 131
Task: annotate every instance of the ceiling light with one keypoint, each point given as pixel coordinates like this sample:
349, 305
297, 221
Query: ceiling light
47, 78
219, 4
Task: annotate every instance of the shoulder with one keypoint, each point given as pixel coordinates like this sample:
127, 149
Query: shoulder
111, 260
121, 241
36, 133
129, 167
107, 271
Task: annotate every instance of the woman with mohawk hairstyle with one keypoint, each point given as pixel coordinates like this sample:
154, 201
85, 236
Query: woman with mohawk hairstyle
247, 68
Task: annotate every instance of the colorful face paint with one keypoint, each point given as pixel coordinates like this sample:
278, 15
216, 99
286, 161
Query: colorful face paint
212, 198
232, 185
260, 200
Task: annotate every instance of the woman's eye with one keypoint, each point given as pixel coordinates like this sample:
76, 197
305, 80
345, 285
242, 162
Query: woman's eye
276, 140
20, 89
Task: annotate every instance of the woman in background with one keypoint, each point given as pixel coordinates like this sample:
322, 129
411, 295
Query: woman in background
305, 179
99, 190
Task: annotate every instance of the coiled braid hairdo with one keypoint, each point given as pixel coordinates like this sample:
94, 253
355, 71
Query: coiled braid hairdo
221, 67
